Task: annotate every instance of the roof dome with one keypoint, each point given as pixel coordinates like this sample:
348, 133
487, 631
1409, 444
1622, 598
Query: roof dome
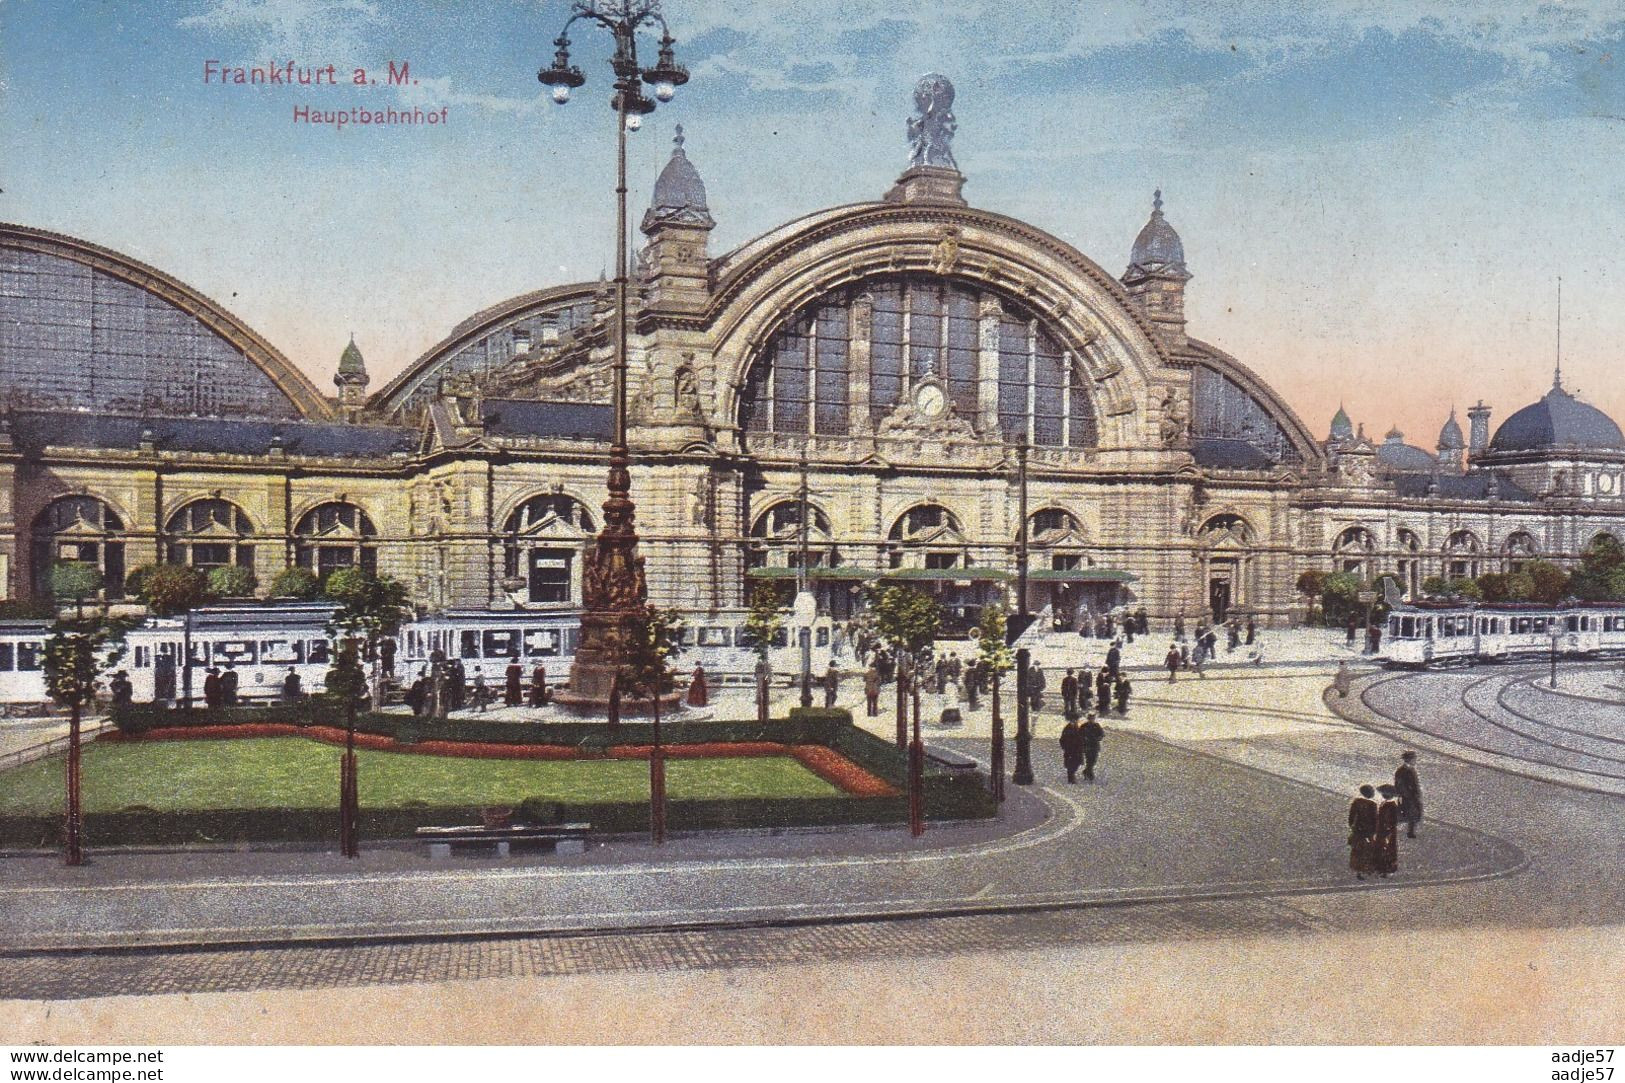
1342, 427
1402, 458
1158, 247
352, 369
679, 196
1558, 420
1450, 438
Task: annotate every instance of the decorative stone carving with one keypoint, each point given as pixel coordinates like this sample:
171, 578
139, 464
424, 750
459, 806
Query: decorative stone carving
928, 415
946, 256
1175, 424
686, 392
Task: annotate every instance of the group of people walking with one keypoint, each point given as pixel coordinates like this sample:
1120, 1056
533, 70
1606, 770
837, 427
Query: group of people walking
1375, 816
1080, 693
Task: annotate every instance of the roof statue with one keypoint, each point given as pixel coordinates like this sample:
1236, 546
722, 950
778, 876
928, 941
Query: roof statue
1158, 247
679, 195
931, 131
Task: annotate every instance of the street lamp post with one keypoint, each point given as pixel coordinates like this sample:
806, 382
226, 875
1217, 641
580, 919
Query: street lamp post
1023, 774
804, 634
614, 588
1556, 634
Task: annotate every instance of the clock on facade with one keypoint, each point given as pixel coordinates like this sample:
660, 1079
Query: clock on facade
929, 401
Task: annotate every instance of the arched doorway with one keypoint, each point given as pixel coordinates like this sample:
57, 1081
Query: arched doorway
543, 539
1224, 553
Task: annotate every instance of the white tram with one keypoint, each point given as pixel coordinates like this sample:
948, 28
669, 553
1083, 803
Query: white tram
1453, 634
22, 661
260, 640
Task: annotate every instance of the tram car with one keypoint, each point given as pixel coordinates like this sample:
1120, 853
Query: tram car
22, 663
1440, 634
724, 645
261, 640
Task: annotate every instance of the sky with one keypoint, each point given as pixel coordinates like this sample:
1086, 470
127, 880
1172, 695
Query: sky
1377, 200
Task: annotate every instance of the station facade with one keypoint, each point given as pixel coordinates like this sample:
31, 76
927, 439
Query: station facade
896, 357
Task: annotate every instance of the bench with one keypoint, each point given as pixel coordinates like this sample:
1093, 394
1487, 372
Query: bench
560, 838
948, 759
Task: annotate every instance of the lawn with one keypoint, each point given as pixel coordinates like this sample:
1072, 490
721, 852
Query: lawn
290, 772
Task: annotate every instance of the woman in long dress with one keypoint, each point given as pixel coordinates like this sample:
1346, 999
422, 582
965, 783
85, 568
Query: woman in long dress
1363, 832
1385, 847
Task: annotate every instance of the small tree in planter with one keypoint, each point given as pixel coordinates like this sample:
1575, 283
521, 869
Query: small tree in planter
647, 674
371, 608
75, 582
1311, 584
296, 582
347, 683
764, 621
906, 620
232, 581
175, 589
77, 652
997, 659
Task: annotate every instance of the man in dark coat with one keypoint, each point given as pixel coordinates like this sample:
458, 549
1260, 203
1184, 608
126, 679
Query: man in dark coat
699, 691
871, 691
1354, 623
1363, 832
512, 693
1086, 693
1408, 787
1071, 748
229, 682
1173, 661
1252, 631
1385, 846
417, 696
386, 658
1069, 694
1103, 689
1114, 659
1035, 687
213, 695
121, 690
973, 683
832, 685
1092, 733
1123, 688
456, 683
538, 686
292, 692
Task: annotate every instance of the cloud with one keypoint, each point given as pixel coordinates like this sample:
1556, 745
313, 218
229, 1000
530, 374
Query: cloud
335, 30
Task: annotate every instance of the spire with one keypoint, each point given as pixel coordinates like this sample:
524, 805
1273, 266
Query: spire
352, 368
679, 195
1342, 427
1557, 370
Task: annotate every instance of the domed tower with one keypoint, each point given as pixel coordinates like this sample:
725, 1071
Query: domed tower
352, 380
678, 225
1452, 445
1342, 427
1156, 276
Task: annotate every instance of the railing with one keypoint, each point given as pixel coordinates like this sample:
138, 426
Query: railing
56, 744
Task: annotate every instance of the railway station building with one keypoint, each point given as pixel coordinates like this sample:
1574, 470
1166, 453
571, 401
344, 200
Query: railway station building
899, 351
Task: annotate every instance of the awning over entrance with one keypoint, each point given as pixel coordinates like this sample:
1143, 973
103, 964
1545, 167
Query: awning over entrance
1081, 575
940, 575
838, 572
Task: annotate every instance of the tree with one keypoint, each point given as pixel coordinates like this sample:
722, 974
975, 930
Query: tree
1311, 584
763, 622
171, 589
77, 652
75, 582
1601, 574
906, 620
135, 582
654, 636
1551, 582
232, 581
296, 582
1435, 586
371, 608
996, 659
1520, 587
1340, 595
1466, 589
1495, 586
347, 683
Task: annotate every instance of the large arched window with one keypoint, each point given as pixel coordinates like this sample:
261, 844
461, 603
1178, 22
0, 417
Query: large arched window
1517, 550
926, 536
335, 535
210, 534
1354, 550
918, 331
79, 530
1409, 563
776, 537
542, 542
1461, 552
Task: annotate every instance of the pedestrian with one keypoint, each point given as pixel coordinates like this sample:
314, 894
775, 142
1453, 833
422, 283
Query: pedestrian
1123, 689
699, 693
871, 690
228, 685
482, 694
1199, 661
417, 696
386, 657
1069, 694
1093, 734
1071, 748
1173, 662
1232, 636
1385, 845
121, 690
1128, 628
1210, 644
1144, 621
212, 695
1179, 626
1353, 623
1035, 687
538, 686
1086, 693
1103, 690
291, 690
832, 684
1376, 638
515, 674
456, 677
973, 683
1114, 659
1252, 630
1409, 788
1343, 681
1363, 832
